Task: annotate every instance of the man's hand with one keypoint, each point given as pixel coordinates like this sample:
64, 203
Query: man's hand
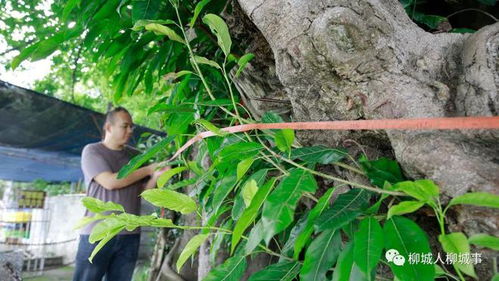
155, 176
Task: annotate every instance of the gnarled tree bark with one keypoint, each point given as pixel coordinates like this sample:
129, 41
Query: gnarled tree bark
347, 60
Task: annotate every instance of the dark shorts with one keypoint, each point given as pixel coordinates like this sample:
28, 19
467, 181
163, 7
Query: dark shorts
116, 260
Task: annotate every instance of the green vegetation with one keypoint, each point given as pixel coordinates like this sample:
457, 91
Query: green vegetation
178, 59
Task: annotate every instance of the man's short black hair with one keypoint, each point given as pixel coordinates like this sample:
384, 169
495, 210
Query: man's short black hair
110, 115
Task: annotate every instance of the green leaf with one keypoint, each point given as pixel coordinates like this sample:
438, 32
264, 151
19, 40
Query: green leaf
203, 60
457, 243
25, 53
484, 240
243, 167
108, 8
239, 206
160, 29
140, 159
95, 205
239, 151
284, 139
288, 248
170, 199
41, 49
283, 271
242, 62
105, 228
321, 255
496, 277
368, 245
271, 117
68, 8
308, 229
220, 29
160, 222
462, 30
182, 183
482, 199
190, 248
140, 24
405, 236
168, 108
166, 176
86, 220
439, 271
488, 2
278, 210
344, 209
217, 102
104, 241
318, 154
432, 21
145, 9
231, 270
223, 187
251, 212
404, 207
344, 265
423, 190
381, 170
248, 192
197, 10
210, 127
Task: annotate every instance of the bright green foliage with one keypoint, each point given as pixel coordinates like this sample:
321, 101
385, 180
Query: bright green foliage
344, 266
381, 170
243, 166
190, 248
239, 204
423, 190
170, 199
251, 212
404, 207
140, 159
163, 179
318, 154
278, 209
456, 243
485, 240
174, 61
283, 271
407, 237
97, 206
344, 209
284, 138
231, 270
321, 255
220, 29
248, 192
307, 230
368, 245
242, 62
482, 199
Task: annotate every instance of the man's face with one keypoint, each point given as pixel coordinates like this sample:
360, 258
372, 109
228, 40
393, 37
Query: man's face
122, 129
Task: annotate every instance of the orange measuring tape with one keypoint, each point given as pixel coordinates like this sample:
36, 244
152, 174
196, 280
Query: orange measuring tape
444, 123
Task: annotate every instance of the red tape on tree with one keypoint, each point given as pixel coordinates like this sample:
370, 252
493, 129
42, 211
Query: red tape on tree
445, 123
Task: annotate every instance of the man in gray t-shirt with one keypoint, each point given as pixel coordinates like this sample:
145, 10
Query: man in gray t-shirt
100, 163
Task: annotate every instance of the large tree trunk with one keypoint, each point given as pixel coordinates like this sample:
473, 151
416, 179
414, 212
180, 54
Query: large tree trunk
347, 60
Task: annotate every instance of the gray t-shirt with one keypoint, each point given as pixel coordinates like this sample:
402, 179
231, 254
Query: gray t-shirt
97, 158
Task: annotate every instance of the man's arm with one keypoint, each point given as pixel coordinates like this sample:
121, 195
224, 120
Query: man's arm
110, 180
151, 183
